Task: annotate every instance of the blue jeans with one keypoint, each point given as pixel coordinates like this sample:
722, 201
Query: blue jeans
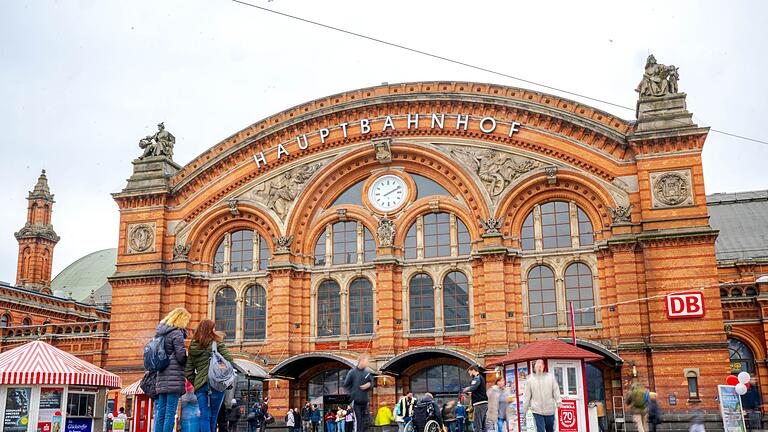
544, 423
501, 425
340, 426
450, 426
460, 423
209, 408
166, 405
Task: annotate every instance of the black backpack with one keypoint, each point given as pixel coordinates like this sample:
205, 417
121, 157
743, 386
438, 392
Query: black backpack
148, 384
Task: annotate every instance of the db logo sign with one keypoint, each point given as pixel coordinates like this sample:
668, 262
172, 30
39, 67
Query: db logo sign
685, 305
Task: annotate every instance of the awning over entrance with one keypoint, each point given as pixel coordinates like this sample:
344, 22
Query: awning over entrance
399, 363
250, 369
293, 367
598, 348
545, 349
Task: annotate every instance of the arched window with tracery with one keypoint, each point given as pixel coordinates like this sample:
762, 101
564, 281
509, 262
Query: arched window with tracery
578, 289
343, 247
225, 311
456, 302
440, 235
742, 359
360, 307
328, 309
5, 321
421, 298
255, 313
550, 226
542, 301
241, 251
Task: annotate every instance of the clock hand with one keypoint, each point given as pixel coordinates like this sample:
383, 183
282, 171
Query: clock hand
391, 191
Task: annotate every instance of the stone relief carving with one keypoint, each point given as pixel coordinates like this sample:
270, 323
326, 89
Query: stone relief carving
159, 144
31, 230
141, 238
232, 204
621, 214
551, 172
279, 193
386, 232
283, 243
658, 79
181, 251
495, 169
383, 152
491, 225
671, 189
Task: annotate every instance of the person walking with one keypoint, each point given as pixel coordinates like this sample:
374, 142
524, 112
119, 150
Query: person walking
170, 384
637, 401
208, 400
349, 419
297, 420
233, 417
542, 397
477, 390
306, 417
290, 420
358, 383
461, 416
449, 416
654, 412
317, 418
498, 398
255, 417
404, 411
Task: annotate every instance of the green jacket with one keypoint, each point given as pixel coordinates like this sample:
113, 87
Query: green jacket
198, 359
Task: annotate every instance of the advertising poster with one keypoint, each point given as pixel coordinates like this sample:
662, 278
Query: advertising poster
511, 379
79, 425
730, 409
567, 416
49, 416
527, 423
16, 416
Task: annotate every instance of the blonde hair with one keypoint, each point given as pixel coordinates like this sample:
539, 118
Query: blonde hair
178, 317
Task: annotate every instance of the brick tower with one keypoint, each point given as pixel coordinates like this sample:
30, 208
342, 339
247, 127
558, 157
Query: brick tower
37, 240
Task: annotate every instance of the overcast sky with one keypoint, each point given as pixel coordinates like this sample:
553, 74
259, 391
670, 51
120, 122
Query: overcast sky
82, 81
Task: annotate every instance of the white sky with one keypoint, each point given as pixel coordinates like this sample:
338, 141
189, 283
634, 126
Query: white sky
82, 81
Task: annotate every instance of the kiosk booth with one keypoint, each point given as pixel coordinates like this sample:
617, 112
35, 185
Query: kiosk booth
139, 409
567, 363
44, 389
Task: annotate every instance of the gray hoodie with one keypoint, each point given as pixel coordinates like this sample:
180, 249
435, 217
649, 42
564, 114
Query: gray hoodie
171, 379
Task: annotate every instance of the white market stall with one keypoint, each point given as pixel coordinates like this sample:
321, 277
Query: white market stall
44, 389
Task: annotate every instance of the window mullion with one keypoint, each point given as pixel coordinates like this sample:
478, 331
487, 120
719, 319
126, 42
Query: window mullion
454, 235
256, 251
360, 243
420, 237
227, 251
573, 218
537, 231
439, 312
328, 245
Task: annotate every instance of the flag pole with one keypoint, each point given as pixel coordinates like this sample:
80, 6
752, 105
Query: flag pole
573, 324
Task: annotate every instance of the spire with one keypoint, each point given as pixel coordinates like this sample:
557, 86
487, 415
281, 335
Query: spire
41, 189
37, 239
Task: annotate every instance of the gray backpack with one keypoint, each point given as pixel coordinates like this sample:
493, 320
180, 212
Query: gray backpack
221, 374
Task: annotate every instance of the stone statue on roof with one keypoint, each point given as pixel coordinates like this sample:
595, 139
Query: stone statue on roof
159, 144
658, 79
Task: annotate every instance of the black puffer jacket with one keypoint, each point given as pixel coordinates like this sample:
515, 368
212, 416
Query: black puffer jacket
171, 379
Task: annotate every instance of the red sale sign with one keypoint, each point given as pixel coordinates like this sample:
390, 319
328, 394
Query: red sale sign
567, 419
685, 305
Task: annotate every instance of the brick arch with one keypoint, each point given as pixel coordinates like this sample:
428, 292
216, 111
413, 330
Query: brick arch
206, 236
422, 207
348, 170
570, 186
354, 213
752, 341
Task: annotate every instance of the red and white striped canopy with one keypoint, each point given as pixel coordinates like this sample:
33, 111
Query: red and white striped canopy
40, 363
133, 389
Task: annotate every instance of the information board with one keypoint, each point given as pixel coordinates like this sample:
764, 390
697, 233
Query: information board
16, 417
730, 409
49, 416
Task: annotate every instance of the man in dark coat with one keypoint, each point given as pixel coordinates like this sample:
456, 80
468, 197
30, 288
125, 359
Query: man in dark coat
358, 383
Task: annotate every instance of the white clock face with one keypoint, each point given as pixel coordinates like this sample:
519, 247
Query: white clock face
388, 192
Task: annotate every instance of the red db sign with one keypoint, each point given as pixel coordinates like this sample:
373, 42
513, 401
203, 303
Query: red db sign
567, 419
685, 305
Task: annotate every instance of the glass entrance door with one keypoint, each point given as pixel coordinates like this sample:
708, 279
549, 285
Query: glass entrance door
570, 379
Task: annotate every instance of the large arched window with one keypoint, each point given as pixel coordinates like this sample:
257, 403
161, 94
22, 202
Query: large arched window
255, 326
442, 381
578, 289
345, 237
438, 239
456, 302
542, 302
327, 383
5, 321
241, 251
328, 309
548, 226
360, 307
226, 311
422, 303
743, 360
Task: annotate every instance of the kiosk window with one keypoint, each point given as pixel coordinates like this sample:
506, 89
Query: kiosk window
80, 404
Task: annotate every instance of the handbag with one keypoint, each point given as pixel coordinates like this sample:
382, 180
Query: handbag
268, 419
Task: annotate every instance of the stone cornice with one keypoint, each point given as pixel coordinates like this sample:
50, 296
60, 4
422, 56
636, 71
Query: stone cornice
651, 238
31, 231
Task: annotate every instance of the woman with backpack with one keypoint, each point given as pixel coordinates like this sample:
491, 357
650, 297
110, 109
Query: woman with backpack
209, 399
170, 383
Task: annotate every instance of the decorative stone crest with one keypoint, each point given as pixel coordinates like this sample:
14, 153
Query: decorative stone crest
383, 152
551, 172
621, 214
491, 225
658, 79
283, 243
233, 207
386, 232
279, 193
671, 189
141, 238
159, 144
495, 169
181, 251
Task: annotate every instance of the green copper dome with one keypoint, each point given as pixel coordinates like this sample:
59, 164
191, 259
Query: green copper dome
87, 274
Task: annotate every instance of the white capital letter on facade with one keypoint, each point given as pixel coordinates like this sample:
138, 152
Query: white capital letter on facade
460, 122
513, 128
484, 120
365, 126
438, 122
344, 128
388, 124
281, 151
324, 132
259, 159
302, 142
413, 121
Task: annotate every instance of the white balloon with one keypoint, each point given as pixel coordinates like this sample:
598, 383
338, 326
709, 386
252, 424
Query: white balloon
744, 377
741, 389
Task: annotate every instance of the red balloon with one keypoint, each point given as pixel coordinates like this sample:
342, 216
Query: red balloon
746, 385
732, 380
